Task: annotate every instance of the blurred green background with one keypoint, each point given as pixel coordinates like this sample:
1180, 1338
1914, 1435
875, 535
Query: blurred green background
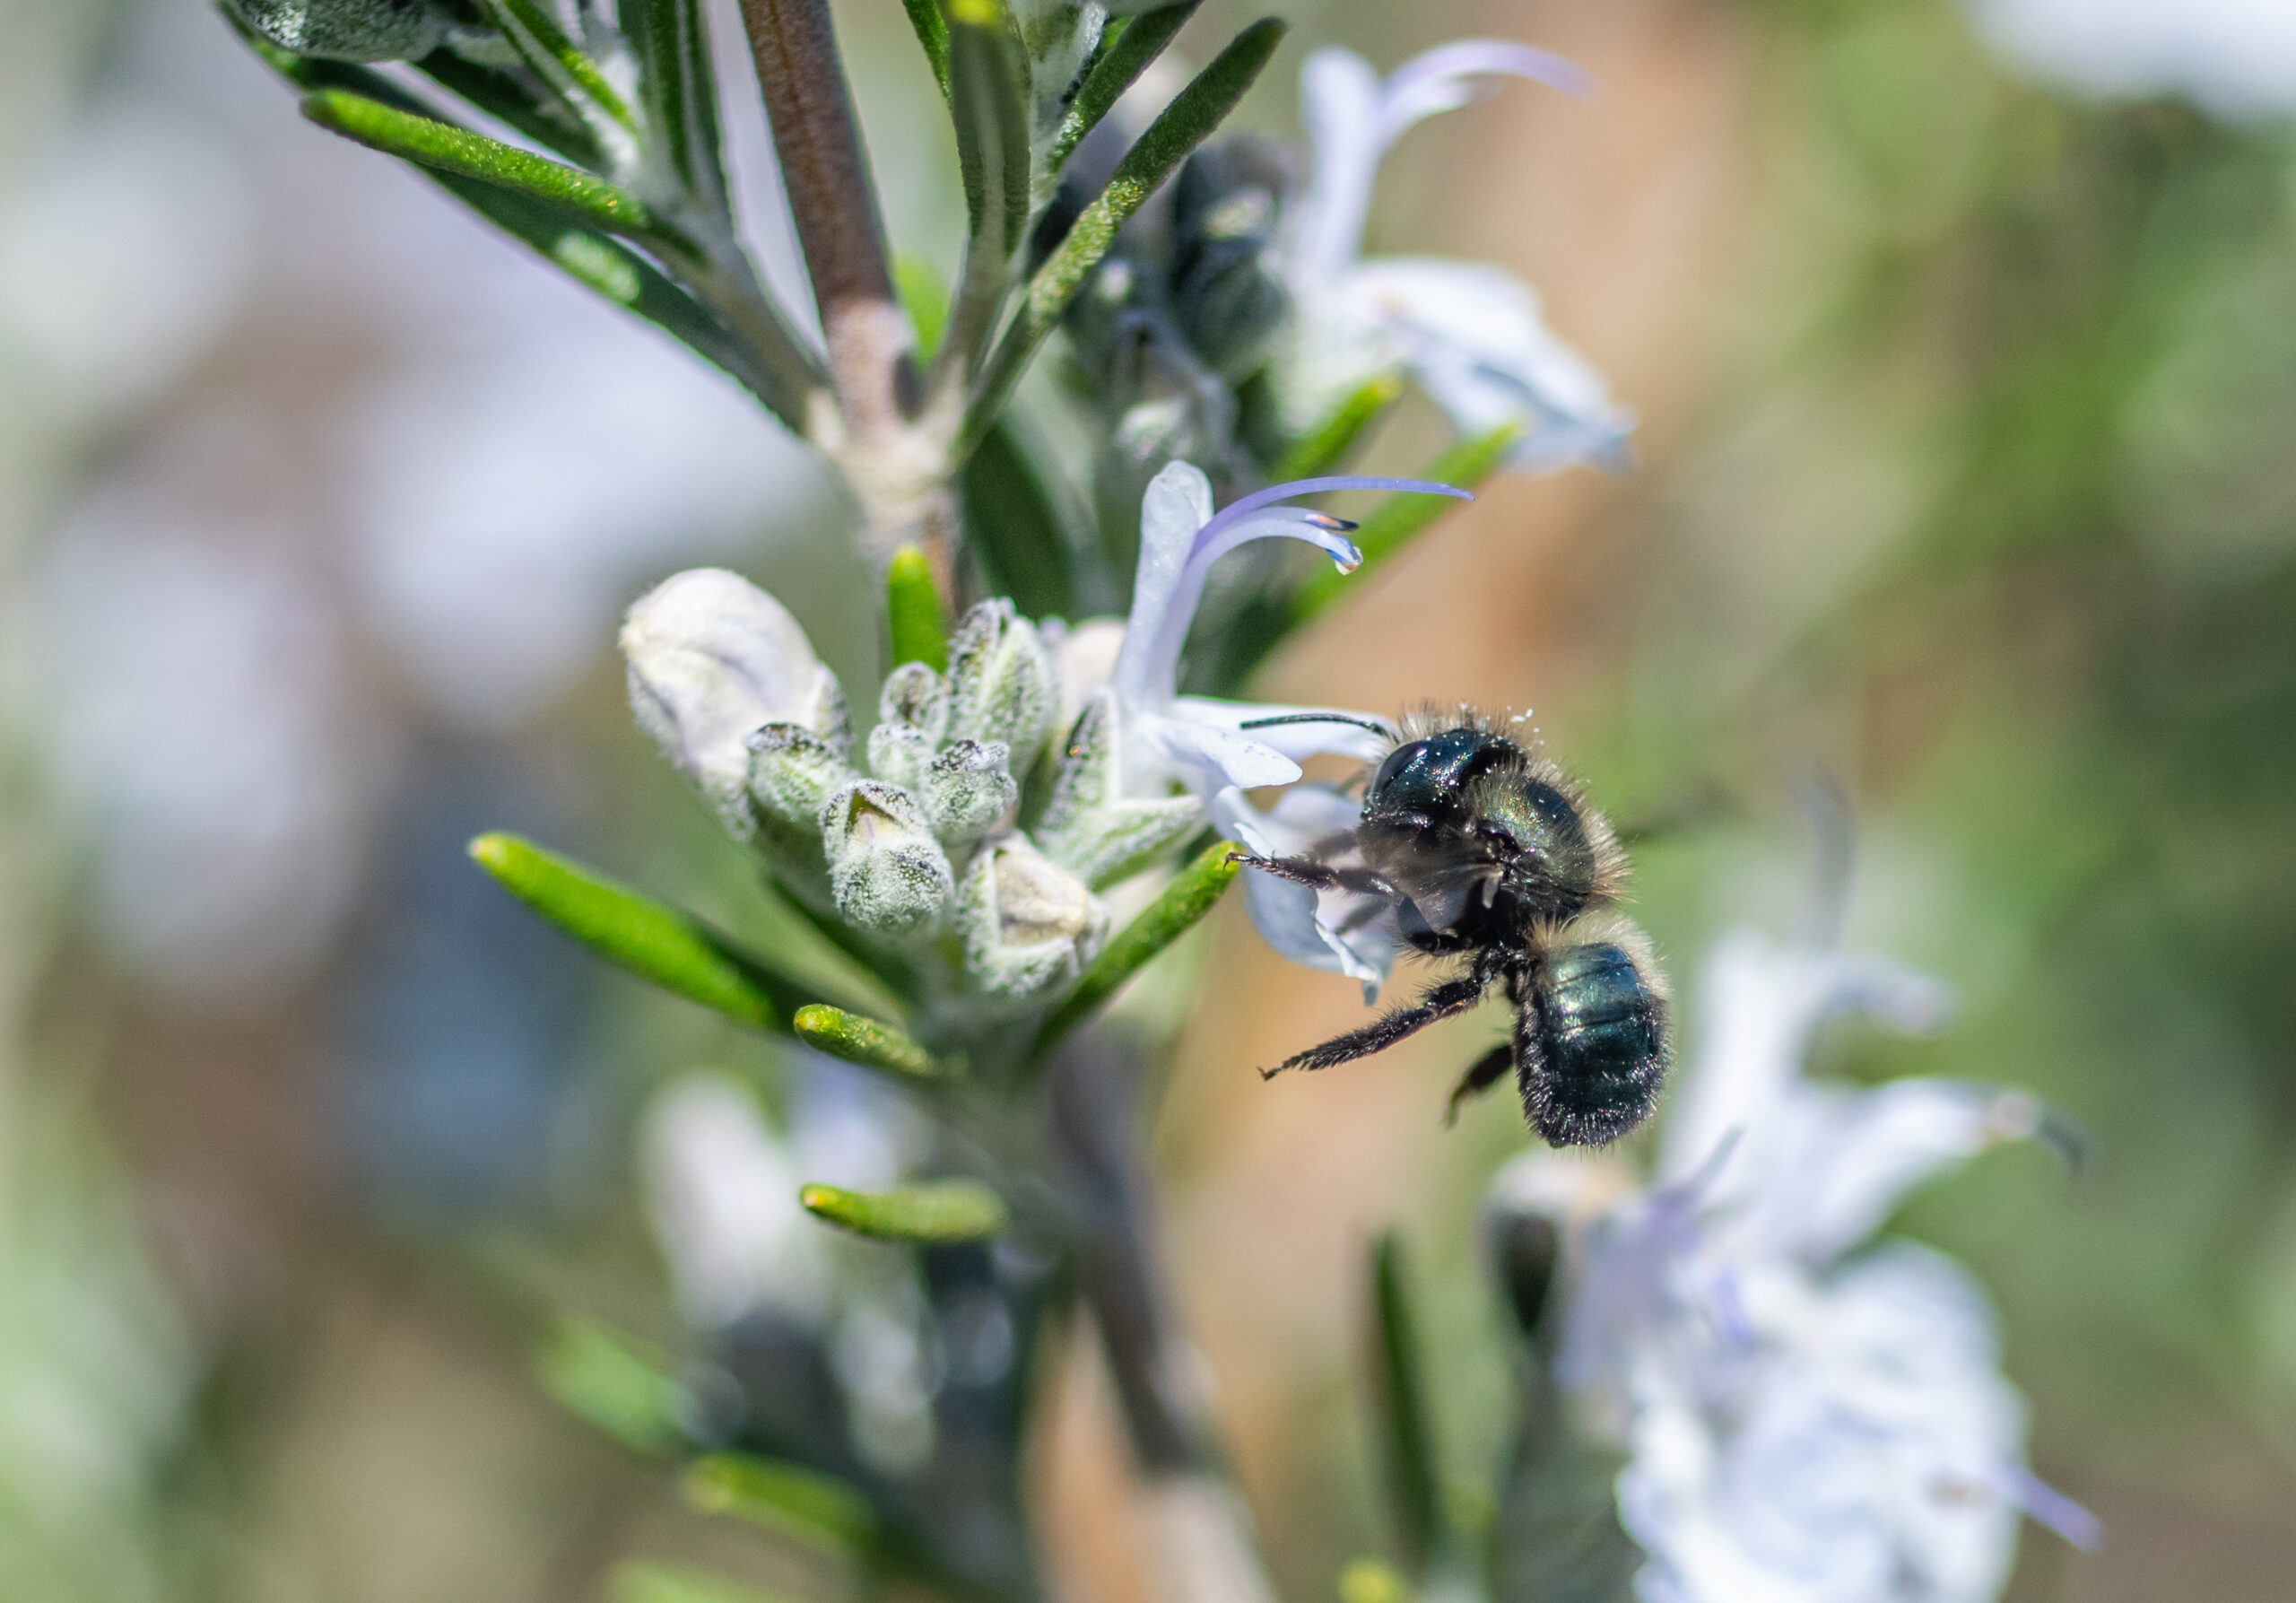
1966, 353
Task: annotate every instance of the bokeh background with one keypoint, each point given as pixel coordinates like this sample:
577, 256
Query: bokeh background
1964, 337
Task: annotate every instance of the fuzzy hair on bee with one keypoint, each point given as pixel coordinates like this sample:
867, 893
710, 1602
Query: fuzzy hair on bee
1473, 845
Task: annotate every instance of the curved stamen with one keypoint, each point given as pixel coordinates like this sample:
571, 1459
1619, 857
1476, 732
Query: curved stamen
1244, 505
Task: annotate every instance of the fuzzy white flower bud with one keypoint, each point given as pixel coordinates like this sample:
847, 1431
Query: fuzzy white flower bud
347, 29
887, 873
1027, 923
912, 713
713, 659
1002, 685
1091, 826
967, 788
793, 772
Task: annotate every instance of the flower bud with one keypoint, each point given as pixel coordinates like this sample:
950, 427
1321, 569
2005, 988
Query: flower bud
712, 659
1226, 294
912, 713
1001, 684
887, 873
1028, 924
967, 788
917, 696
1091, 826
1168, 407
347, 29
793, 772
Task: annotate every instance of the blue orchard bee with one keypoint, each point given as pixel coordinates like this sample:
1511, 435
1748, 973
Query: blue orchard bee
1472, 847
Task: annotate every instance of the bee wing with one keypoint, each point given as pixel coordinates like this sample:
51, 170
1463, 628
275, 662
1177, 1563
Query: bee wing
1444, 894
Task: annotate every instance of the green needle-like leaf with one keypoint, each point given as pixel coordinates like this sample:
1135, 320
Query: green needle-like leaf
988, 104
1173, 913
1325, 447
658, 943
594, 1374
1400, 1391
1182, 125
1121, 62
988, 84
1403, 517
557, 59
918, 632
925, 297
589, 253
928, 1215
678, 84
864, 1041
445, 148
1010, 523
642, 1581
511, 97
781, 1496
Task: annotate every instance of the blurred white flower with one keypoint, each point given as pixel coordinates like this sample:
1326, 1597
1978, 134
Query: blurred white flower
2236, 57
124, 256
559, 465
193, 689
722, 1190
1804, 1425
721, 1187
1468, 333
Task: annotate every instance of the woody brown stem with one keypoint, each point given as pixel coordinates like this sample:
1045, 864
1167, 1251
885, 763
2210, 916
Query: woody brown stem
899, 471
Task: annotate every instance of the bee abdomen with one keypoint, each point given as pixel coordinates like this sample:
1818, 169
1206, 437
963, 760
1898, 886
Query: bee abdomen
1595, 1069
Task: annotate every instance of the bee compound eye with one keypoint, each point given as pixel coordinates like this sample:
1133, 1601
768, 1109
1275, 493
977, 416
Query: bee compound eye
1399, 759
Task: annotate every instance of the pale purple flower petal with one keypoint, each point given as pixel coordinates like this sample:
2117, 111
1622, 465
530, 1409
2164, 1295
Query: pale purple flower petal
1857, 1154
1301, 924
1470, 336
1352, 117
1181, 537
1805, 1421
1763, 1003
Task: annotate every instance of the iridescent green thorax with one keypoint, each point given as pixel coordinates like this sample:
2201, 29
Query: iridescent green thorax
1483, 840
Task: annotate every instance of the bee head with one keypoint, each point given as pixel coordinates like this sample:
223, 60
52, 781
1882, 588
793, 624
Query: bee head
1432, 776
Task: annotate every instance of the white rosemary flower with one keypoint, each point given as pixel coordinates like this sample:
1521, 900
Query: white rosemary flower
1806, 1423
1468, 333
1146, 765
2235, 57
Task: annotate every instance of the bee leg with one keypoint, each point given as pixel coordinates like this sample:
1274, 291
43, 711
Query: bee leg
1481, 1075
1453, 996
1318, 877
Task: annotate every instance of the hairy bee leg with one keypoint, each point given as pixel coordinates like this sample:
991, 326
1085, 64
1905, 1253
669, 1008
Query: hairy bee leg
1318, 877
1481, 1075
1331, 845
1453, 996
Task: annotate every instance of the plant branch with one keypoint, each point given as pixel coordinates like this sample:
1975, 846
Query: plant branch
897, 471
1199, 1547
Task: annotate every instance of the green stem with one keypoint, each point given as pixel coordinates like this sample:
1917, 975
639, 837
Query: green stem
1173, 913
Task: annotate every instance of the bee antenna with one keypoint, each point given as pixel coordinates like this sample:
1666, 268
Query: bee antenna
1375, 725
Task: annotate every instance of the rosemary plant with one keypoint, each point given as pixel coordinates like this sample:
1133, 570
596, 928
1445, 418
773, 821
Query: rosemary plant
956, 853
